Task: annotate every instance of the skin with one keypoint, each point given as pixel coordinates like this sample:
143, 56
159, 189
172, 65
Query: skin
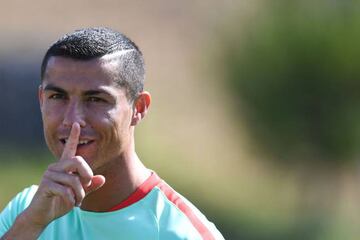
80, 103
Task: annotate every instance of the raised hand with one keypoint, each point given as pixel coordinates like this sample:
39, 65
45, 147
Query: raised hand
64, 184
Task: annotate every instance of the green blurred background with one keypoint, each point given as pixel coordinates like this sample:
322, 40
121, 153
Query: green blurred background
256, 105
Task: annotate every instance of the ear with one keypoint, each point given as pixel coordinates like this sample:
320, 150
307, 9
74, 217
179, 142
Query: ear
141, 106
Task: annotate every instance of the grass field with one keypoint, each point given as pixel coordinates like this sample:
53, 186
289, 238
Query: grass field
20, 170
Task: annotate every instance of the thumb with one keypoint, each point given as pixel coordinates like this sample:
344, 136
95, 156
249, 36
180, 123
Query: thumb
97, 182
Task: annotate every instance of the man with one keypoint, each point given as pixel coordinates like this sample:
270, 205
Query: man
91, 98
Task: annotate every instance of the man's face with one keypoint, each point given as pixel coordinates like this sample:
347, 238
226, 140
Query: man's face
84, 92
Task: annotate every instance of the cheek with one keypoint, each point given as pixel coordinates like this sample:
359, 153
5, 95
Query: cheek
113, 126
52, 113
102, 122
51, 121
50, 130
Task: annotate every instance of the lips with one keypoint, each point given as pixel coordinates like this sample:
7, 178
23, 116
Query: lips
81, 141
86, 148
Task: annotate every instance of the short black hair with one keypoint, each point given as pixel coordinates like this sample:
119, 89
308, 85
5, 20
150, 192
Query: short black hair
90, 43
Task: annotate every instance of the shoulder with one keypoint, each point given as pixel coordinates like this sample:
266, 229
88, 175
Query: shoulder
18, 204
178, 218
22, 199
25, 196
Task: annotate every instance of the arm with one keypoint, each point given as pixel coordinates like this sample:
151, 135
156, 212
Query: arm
23, 228
63, 186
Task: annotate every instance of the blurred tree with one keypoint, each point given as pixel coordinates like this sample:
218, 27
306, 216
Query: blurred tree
293, 73
295, 76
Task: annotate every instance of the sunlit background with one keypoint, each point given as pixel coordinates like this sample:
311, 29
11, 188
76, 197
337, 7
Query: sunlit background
256, 105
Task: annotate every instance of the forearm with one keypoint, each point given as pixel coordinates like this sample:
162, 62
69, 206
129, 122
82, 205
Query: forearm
23, 229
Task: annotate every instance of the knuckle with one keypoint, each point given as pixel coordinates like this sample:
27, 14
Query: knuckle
78, 160
44, 184
46, 174
49, 175
83, 167
52, 166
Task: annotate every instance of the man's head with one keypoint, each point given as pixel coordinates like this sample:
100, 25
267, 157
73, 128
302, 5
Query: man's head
91, 43
93, 77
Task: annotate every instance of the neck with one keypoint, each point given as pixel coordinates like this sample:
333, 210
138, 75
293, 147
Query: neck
122, 179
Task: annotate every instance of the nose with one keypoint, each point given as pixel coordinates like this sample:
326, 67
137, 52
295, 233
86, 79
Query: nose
74, 113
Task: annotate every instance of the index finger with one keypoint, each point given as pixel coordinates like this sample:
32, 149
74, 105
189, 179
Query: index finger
72, 142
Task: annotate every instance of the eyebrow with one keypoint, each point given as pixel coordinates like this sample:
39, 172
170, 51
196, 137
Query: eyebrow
51, 87
95, 92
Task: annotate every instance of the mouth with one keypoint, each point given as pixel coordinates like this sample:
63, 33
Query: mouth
82, 142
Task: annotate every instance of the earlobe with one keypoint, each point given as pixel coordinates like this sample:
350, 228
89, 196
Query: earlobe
136, 118
141, 107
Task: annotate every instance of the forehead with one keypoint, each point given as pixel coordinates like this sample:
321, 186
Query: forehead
73, 74
108, 63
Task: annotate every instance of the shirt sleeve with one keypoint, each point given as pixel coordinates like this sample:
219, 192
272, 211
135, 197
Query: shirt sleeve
180, 219
18, 204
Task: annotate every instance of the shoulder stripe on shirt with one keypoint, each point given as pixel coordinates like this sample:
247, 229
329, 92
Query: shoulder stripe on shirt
172, 196
176, 199
140, 192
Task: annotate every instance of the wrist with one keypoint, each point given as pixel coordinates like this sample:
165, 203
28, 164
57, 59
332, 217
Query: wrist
26, 218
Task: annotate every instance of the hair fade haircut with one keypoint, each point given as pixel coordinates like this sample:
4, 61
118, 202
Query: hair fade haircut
90, 43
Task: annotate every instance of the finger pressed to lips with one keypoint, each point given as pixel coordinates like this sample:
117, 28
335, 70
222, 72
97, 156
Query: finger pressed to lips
72, 171
72, 142
76, 142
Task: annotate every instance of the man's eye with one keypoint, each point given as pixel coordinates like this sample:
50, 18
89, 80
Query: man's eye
57, 96
95, 99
